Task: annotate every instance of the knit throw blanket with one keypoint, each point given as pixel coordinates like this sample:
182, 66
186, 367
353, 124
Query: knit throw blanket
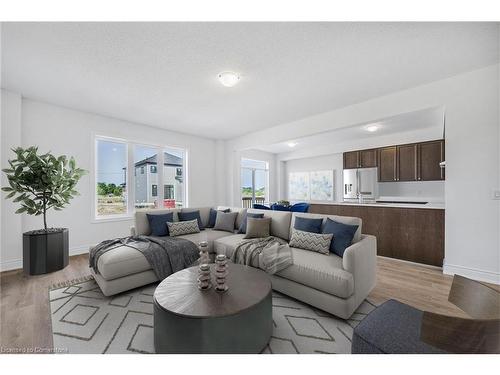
270, 254
166, 255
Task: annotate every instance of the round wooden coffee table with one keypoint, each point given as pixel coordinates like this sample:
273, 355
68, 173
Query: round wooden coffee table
188, 320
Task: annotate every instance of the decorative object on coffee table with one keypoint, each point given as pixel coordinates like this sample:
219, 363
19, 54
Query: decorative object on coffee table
204, 257
188, 320
204, 278
39, 183
221, 273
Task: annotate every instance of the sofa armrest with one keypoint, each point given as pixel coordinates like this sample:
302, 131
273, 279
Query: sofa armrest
360, 259
132, 231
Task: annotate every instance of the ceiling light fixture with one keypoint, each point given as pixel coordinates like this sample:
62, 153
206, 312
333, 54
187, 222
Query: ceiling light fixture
292, 144
229, 79
372, 128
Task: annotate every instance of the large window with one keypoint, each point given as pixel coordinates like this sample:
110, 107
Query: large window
118, 194
254, 182
111, 178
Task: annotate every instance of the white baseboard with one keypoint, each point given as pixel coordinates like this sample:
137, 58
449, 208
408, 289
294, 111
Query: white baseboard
10, 265
472, 273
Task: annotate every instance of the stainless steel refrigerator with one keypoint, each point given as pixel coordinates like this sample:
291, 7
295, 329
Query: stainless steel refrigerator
360, 184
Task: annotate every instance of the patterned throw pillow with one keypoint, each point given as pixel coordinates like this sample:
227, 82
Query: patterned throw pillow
191, 215
179, 228
317, 242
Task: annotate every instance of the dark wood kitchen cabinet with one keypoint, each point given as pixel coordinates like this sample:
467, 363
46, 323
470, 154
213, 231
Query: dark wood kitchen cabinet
413, 234
411, 162
351, 159
387, 164
430, 155
407, 162
360, 159
368, 158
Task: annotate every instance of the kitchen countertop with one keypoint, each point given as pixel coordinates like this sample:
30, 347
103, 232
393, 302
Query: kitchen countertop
429, 205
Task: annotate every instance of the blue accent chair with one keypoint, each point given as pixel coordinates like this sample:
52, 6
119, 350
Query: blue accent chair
279, 207
300, 207
261, 207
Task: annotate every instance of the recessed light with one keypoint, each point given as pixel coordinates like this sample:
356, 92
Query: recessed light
292, 144
372, 128
229, 79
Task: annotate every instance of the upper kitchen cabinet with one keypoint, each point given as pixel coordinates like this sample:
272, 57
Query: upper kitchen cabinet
351, 160
430, 155
368, 158
360, 159
387, 164
407, 160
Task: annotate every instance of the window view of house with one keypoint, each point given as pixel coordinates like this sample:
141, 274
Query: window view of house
111, 178
254, 182
173, 178
145, 159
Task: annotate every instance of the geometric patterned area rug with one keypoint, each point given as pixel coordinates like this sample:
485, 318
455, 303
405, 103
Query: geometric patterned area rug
86, 321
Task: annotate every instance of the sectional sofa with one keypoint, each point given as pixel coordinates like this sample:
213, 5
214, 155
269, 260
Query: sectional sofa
331, 283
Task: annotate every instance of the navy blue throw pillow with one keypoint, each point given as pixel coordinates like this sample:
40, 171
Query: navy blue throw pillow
187, 216
342, 235
213, 216
306, 224
243, 225
158, 223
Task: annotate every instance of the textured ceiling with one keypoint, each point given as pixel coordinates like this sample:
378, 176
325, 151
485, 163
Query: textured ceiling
164, 74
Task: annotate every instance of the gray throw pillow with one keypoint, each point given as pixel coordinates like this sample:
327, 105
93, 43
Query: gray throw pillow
318, 242
225, 221
258, 227
179, 228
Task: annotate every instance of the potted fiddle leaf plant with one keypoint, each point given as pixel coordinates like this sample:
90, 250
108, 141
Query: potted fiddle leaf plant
40, 182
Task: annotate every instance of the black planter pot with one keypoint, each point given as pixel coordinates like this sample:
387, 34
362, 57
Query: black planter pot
45, 252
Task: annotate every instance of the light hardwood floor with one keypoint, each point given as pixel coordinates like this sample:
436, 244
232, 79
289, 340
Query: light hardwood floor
25, 321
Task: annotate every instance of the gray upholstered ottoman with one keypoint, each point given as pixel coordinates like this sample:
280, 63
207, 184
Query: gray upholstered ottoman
392, 328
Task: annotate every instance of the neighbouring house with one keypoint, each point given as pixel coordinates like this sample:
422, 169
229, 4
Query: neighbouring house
146, 180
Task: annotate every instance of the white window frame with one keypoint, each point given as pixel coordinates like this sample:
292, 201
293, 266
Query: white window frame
130, 202
267, 195
100, 218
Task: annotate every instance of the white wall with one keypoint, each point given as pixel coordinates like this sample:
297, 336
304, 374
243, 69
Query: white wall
11, 224
70, 132
471, 100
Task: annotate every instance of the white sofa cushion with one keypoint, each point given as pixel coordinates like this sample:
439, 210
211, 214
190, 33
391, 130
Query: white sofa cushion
121, 261
280, 222
226, 245
319, 271
340, 219
208, 235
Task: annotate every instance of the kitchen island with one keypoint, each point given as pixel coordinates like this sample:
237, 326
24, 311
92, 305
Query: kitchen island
412, 232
